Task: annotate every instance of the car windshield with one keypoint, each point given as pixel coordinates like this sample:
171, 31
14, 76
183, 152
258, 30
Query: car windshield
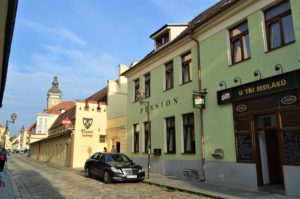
117, 158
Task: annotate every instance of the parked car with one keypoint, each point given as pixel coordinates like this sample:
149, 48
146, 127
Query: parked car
113, 167
21, 152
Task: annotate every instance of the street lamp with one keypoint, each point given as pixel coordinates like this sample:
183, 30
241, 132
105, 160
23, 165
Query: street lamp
141, 98
13, 118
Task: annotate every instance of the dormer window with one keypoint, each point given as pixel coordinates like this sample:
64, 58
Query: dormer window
166, 34
165, 38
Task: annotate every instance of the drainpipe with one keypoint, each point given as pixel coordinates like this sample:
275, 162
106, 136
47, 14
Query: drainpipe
202, 179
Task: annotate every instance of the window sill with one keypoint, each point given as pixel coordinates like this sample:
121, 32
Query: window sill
166, 90
236, 63
170, 153
287, 44
135, 152
188, 153
185, 83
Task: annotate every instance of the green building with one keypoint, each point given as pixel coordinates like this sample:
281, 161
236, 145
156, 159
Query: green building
247, 56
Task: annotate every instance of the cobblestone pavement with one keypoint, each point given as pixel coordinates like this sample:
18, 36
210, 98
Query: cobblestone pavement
35, 180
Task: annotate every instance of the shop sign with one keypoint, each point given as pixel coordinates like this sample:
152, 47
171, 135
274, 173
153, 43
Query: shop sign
224, 96
241, 108
87, 123
66, 122
262, 87
288, 100
198, 101
160, 105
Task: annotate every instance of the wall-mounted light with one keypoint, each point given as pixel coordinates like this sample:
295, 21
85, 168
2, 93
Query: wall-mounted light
278, 67
237, 79
222, 83
257, 73
218, 154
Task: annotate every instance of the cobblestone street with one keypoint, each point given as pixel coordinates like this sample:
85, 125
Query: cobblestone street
36, 180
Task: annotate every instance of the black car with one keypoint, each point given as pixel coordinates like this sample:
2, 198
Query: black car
113, 167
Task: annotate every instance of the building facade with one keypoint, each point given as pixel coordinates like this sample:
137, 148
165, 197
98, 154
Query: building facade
116, 134
167, 77
246, 132
55, 107
24, 139
250, 65
71, 145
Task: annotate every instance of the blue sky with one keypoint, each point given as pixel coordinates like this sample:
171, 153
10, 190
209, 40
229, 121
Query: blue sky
82, 42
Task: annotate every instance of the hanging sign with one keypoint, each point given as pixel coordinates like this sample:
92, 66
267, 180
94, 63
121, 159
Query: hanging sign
198, 101
66, 122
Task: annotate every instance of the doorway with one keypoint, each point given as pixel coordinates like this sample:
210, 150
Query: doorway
118, 147
269, 163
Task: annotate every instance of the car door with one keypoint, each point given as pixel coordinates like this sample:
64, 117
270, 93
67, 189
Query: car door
93, 162
99, 165
102, 164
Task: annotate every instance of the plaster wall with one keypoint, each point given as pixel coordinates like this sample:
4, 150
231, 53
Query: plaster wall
87, 140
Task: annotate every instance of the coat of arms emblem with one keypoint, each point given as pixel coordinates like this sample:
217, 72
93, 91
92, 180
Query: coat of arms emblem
87, 122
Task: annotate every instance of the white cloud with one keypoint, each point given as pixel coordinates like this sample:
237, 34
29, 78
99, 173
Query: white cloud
65, 33
59, 31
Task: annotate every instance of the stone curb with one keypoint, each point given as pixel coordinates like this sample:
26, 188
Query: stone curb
182, 190
15, 189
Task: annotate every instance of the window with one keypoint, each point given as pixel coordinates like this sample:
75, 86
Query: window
240, 43
188, 133
162, 40
169, 75
186, 68
279, 25
171, 143
147, 85
136, 89
102, 138
147, 130
136, 128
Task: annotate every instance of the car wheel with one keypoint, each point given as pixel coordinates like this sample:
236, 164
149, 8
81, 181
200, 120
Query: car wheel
87, 172
106, 178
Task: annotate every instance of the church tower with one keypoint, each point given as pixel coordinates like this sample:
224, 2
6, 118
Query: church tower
54, 94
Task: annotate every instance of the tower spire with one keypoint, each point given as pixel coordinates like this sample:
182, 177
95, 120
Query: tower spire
54, 94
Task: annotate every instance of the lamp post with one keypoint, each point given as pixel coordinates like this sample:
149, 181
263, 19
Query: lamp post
141, 98
13, 118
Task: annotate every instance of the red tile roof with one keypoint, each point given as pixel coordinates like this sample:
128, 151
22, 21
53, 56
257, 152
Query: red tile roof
68, 114
99, 96
32, 126
65, 105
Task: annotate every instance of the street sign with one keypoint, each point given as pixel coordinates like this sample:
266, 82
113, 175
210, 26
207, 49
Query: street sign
66, 122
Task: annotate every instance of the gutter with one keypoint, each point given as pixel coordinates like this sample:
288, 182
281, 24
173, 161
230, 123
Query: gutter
202, 179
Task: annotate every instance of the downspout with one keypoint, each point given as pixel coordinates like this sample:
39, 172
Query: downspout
202, 179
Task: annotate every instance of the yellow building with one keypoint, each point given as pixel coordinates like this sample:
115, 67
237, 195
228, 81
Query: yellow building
116, 112
71, 145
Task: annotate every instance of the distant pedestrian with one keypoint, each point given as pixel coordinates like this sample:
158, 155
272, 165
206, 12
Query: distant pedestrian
104, 149
3, 159
113, 149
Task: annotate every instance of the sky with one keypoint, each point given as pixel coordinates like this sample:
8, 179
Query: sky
82, 42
